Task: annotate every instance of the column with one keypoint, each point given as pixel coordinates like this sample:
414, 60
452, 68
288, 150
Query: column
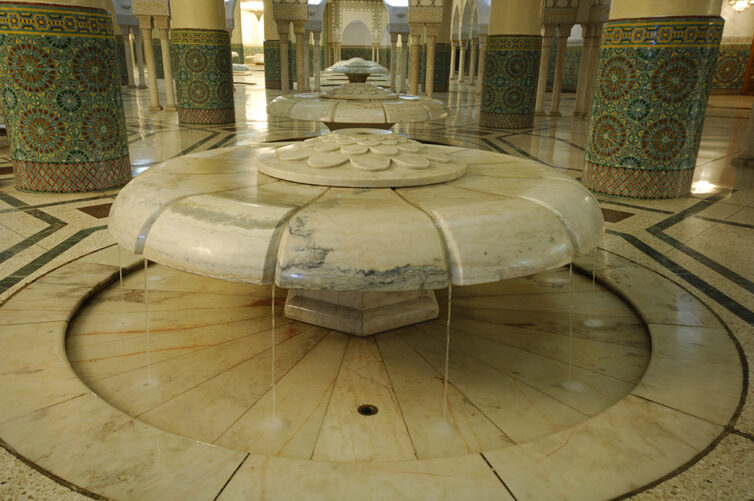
140, 58
124, 29
162, 23
317, 62
578, 108
429, 77
453, 47
285, 78
746, 157
298, 29
461, 57
306, 62
67, 128
271, 47
404, 61
594, 55
564, 30
393, 43
655, 67
145, 23
236, 36
512, 53
416, 33
472, 60
201, 54
544, 63
480, 71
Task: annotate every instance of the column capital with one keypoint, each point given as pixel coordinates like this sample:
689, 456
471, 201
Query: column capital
432, 29
162, 22
550, 30
145, 21
299, 27
416, 29
564, 30
283, 25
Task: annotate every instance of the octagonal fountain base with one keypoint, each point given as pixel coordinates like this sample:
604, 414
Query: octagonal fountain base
361, 313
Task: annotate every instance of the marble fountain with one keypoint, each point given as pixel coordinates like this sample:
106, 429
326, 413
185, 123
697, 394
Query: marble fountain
169, 386
357, 103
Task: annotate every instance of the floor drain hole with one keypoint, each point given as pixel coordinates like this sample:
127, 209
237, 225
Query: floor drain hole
367, 410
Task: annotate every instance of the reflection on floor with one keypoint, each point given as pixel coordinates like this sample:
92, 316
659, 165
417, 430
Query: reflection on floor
703, 242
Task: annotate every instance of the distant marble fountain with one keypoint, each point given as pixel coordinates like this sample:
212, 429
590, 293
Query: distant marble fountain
361, 225
357, 69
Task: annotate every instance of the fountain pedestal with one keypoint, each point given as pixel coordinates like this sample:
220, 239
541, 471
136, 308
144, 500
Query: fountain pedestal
361, 313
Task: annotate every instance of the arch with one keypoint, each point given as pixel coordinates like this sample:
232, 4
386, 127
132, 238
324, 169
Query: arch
357, 33
455, 22
465, 30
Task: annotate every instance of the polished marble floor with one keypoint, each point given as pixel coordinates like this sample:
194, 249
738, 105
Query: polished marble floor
703, 243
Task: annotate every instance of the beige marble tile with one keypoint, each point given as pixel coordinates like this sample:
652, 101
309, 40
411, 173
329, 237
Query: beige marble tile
439, 479
20, 481
349, 436
694, 370
629, 445
101, 449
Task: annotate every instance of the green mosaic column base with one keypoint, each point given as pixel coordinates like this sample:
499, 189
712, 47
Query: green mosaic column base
509, 85
203, 76
60, 75
442, 67
157, 49
651, 89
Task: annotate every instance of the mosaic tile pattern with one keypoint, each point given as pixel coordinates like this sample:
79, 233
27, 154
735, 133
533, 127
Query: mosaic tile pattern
203, 76
651, 91
272, 64
347, 52
571, 70
442, 67
730, 68
509, 86
61, 94
120, 48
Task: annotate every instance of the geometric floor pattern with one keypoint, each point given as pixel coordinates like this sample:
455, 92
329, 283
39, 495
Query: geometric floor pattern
704, 243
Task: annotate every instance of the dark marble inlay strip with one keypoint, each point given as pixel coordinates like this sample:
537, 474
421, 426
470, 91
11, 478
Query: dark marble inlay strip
46, 257
99, 211
25, 207
614, 216
708, 290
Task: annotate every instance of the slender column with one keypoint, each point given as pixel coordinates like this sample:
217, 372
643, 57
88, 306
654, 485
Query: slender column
650, 97
145, 23
285, 77
453, 47
594, 55
564, 30
512, 55
578, 109
416, 31
746, 157
298, 29
162, 24
200, 46
472, 60
306, 86
404, 61
480, 71
429, 77
140, 58
393, 43
124, 29
461, 57
62, 98
317, 63
544, 63
271, 49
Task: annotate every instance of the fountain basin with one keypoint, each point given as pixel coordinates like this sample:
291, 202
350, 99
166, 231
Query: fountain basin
357, 69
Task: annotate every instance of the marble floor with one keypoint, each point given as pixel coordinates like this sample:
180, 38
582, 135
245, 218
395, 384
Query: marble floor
663, 339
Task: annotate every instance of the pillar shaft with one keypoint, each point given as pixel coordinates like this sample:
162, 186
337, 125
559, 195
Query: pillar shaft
129, 55
544, 62
204, 82
404, 61
140, 58
317, 62
306, 61
298, 28
453, 48
648, 110
480, 71
415, 49
472, 60
145, 23
167, 65
557, 85
461, 58
285, 78
592, 73
62, 99
393, 43
429, 76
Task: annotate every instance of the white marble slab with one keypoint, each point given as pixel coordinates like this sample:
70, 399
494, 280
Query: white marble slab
345, 241
491, 238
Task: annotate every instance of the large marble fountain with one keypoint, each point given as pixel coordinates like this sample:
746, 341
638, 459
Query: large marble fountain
361, 225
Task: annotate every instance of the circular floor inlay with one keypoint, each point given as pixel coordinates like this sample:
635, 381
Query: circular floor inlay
208, 354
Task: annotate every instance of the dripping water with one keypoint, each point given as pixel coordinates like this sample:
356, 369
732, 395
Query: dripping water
146, 326
570, 321
120, 272
272, 368
447, 356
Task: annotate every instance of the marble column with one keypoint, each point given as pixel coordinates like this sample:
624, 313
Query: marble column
472, 60
200, 50
145, 23
544, 63
306, 69
512, 56
453, 48
442, 67
482, 47
564, 30
139, 47
298, 29
416, 33
594, 56
461, 58
162, 23
125, 30
61, 95
653, 79
393, 43
404, 62
578, 108
285, 78
317, 62
746, 157
429, 76
271, 48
